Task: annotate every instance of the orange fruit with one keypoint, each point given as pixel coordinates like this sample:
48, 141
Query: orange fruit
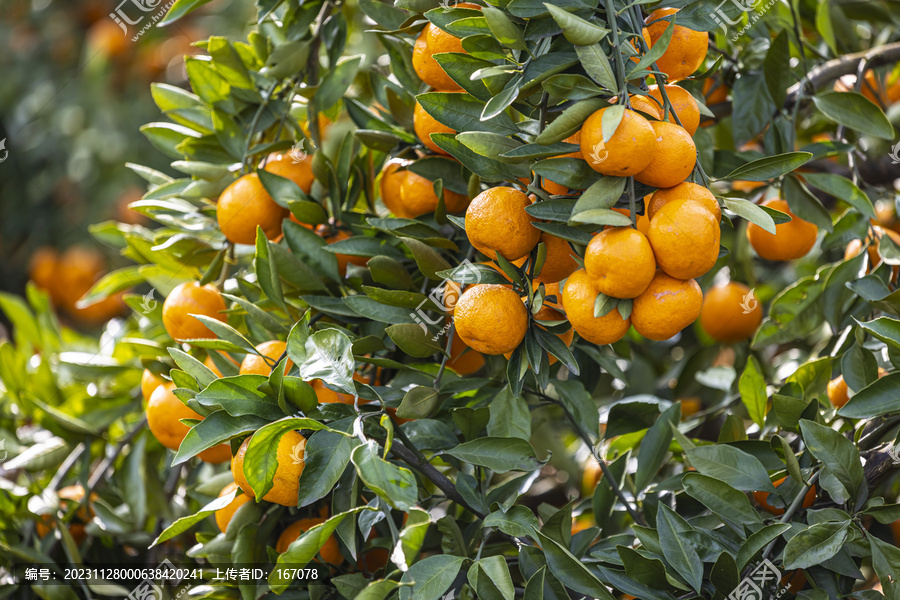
575, 138
838, 392
668, 306
42, 270
393, 174
590, 477
646, 105
417, 197
70, 493
690, 406
257, 365
559, 263
192, 299
582, 522
164, 414
149, 382
244, 205
223, 516
77, 270
553, 188
291, 455
628, 151
674, 158
490, 319
791, 240
763, 497
724, 316
686, 50
424, 125
106, 39
684, 190
496, 221
685, 239
855, 246
683, 103
620, 262
578, 297
342, 259
746, 186
300, 172
434, 40
715, 92
327, 395
464, 364
330, 551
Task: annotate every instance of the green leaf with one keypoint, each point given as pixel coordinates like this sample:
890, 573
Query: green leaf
239, 396
655, 52
498, 454
336, 81
735, 467
814, 545
596, 65
185, 523
510, 417
427, 258
842, 188
327, 456
491, 580
752, 387
215, 429
777, 69
769, 167
876, 399
431, 577
418, 403
839, 455
413, 340
518, 521
853, 110
758, 541
327, 355
180, 9
750, 211
503, 29
676, 546
462, 112
570, 120
655, 446
571, 571
266, 271
575, 29
261, 458
726, 502
805, 204
395, 485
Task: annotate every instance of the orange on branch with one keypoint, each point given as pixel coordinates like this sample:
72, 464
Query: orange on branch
666, 307
620, 262
791, 240
685, 239
188, 299
223, 516
726, 315
578, 297
686, 49
330, 551
491, 319
245, 205
674, 158
290, 455
683, 103
257, 365
496, 221
628, 151
684, 191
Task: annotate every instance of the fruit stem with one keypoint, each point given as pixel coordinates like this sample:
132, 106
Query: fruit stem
440, 373
632, 203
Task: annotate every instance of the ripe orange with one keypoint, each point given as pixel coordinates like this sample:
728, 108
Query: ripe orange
490, 319
685, 239
300, 172
746, 186
77, 270
628, 151
149, 383
855, 247
578, 298
559, 263
330, 551
548, 313
70, 493
793, 239
620, 262
590, 477
668, 306
646, 105
686, 50
393, 174
291, 457
684, 190
464, 364
417, 197
715, 92
838, 392
434, 40
762, 498
42, 270
724, 316
582, 522
191, 299
164, 414
257, 365
496, 221
223, 516
674, 158
424, 125
690, 406
244, 205
335, 235
105, 38
683, 103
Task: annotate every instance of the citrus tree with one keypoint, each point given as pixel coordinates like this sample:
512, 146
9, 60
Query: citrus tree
514, 300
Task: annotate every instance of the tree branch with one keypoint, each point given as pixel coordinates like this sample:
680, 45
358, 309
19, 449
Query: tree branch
827, 72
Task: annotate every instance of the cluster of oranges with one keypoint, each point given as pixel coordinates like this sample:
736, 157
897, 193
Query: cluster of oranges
68, 276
